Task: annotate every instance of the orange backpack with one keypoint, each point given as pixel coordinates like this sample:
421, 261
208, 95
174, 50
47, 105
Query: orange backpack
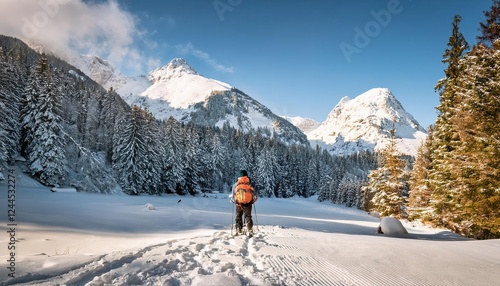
244, 192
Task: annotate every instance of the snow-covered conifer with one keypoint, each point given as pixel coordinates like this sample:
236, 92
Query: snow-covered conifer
388, 183
9, 112
490, 29
173, 174
46, 151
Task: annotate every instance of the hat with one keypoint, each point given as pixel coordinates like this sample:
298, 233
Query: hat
242, 173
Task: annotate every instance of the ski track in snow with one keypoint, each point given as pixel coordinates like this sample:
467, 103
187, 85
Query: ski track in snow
90, 239
278, 256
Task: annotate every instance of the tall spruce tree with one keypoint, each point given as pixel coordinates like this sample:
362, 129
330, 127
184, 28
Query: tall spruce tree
173, 172
420, 193
464, 152
29, 104
457, 47
193, 171
45, 138
444, 139
130, 159
490, 29
474, 208
9, 112
388, 183
153, 156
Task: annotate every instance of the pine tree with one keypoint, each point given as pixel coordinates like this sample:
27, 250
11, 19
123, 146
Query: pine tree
313, 172
9, 112
445, 137
218, 155
474, 200
324, 183
388, 183
267, 172
173, 173
36, 83
490, 29
420, 193
111, 110
336, 178
47, 154
154, 150
193, 172
465, 149
44, 137
130, 152
457, 47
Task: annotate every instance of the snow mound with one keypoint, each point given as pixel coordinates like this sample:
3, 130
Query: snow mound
150, 207
391, 226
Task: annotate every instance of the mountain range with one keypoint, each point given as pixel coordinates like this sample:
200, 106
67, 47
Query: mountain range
178, 90
364, 123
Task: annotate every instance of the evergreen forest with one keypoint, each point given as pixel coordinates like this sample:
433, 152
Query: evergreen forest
72, 132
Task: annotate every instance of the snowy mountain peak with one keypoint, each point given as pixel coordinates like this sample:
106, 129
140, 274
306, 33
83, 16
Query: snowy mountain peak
177, 67
304, 124
98, 69
363, 123
381, 97
376, 93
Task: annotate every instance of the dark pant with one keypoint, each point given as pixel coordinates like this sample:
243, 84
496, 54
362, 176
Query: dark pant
247, 210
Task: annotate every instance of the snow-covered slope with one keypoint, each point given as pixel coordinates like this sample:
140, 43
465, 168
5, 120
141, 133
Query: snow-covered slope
180, 85
106, 75
364, 123
89, 239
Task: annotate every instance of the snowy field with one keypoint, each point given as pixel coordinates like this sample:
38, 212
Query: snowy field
64, 238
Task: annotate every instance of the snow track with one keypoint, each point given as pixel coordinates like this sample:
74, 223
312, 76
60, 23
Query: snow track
285, 256
93, 240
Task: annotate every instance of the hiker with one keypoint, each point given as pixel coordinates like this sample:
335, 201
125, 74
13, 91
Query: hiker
244, 197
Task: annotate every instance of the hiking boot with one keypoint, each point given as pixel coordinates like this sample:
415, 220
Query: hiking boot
239, 231
250, 232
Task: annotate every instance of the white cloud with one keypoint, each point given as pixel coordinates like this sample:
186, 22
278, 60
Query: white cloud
104, 29
189, 49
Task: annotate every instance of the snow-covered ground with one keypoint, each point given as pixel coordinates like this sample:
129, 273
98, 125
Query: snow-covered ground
64, 238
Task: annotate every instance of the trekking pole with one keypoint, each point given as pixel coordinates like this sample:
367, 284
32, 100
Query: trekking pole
244, 228
256, 220
232, 217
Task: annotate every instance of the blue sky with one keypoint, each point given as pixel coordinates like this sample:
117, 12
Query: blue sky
297, 57
301, 57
